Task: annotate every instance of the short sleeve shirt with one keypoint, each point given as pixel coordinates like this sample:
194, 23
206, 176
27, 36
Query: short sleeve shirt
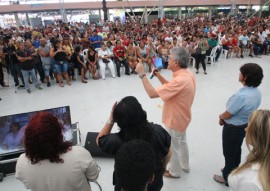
94, 39
242, 104
178, 97
244, 39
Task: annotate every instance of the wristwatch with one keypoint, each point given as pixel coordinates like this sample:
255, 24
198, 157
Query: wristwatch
142, 75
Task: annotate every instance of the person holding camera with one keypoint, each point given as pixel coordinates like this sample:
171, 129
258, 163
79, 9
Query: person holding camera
12, 62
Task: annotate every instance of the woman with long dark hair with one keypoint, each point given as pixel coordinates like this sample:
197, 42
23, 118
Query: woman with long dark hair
132, 121
50, 162
60, 58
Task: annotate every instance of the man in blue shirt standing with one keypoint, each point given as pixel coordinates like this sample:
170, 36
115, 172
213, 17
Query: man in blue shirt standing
95, 39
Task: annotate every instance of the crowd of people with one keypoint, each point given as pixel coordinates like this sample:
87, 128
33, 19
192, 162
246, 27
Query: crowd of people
55, 51
158, 151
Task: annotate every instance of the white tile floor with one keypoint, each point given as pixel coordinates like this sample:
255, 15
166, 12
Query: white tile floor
91, 104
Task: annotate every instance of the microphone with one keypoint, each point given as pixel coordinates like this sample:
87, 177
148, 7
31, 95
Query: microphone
153, 73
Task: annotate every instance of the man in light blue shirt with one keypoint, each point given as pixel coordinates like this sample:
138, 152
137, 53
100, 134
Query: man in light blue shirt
244, 43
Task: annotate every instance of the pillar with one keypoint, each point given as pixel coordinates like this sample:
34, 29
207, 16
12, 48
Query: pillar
18, 23
179, 12
27, 19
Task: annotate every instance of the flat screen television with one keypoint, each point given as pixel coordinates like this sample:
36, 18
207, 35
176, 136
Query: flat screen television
12, 129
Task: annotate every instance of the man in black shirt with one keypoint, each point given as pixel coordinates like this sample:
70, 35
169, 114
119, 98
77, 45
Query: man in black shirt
27, 65
12, 62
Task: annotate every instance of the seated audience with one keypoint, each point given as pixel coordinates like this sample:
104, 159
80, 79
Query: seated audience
132, 121
105, 56
119, 58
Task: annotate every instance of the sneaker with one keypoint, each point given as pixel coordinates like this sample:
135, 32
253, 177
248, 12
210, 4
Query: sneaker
48, 84
29, 91
127, 73
250, 56
241, 56
17, 84
39, 88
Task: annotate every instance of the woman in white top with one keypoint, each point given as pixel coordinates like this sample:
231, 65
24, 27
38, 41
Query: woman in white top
104, 56
254, 175
50, 162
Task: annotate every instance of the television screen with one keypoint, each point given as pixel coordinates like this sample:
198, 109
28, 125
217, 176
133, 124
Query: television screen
12, 129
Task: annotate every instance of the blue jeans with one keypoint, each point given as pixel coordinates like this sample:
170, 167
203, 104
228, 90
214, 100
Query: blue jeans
61, 67
47, 68
26, 74
232, 139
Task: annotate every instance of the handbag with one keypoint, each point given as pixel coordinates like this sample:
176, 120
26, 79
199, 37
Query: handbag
105, 61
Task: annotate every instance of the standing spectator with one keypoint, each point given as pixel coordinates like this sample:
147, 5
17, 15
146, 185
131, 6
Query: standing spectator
38, 64
50, 162
95, 40
27, 64
200, 51
234, 120
2, 56
59, 57
44, 52
119, 58
12, 62
178, 96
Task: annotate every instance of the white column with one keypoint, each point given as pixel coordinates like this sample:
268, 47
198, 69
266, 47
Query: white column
210, 12
27, 19
18, 23
179, 12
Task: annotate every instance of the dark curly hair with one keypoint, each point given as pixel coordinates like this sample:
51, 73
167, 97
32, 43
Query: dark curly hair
132, 119
44, 139
252, 73
134, 165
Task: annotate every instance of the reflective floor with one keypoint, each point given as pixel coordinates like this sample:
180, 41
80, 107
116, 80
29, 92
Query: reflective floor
91, 105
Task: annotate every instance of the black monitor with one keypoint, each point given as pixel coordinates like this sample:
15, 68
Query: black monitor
12, 129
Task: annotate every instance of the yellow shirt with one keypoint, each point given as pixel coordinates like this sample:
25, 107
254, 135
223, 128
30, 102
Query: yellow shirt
178, 96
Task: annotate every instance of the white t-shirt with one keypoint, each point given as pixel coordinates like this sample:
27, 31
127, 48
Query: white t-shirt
244, 39
247, 180
73, 175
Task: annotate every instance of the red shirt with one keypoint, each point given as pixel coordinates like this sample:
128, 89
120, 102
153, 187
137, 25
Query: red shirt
118, 51
235, 41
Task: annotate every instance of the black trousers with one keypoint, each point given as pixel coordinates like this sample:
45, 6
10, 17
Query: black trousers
118, 66
39, 69
200, 58
232, 139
